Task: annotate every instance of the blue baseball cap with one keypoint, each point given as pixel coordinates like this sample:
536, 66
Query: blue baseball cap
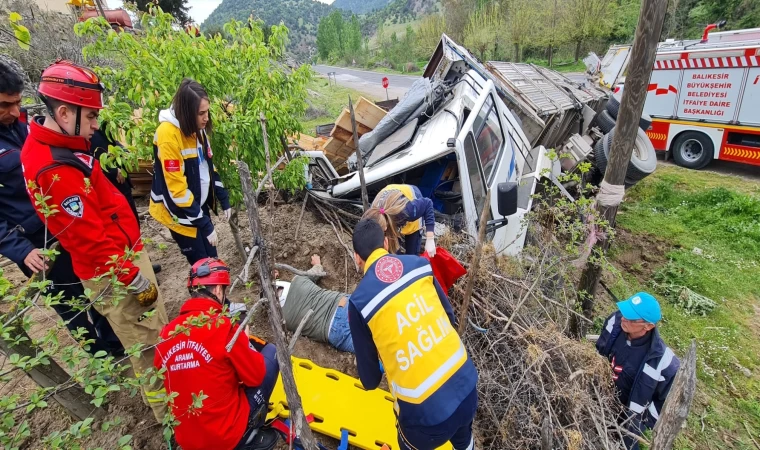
641, 306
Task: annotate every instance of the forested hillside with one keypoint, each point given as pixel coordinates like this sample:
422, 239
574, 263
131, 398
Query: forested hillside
360, 6
300, 16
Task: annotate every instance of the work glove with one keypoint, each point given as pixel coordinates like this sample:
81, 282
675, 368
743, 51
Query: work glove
256, 343
227, 214
144, 289
212, 238
430, 245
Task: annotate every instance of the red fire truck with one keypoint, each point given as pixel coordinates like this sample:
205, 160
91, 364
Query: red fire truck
703, 97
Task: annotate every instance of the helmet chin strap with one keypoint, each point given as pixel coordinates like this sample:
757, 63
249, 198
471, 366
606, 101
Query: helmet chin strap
51, 112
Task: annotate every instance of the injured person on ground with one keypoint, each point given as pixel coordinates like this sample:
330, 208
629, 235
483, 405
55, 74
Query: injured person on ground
329, 322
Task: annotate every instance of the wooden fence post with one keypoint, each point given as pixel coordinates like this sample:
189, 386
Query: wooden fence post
676, 408
359, 156
297, 416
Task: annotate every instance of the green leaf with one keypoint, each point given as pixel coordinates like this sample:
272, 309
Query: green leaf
14, 17
124, 439
23, 36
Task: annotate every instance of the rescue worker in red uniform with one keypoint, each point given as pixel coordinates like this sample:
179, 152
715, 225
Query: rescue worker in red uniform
89, 216
236, 384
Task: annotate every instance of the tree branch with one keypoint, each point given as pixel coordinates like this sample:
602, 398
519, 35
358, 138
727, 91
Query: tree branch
299, 329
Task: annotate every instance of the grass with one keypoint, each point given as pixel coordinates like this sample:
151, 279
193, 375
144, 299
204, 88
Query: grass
720, 215
328, 99
399, 72
398, 28
561, 66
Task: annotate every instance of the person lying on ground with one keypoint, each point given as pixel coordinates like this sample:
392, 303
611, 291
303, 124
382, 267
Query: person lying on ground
400, 316
329, 323
236, 385
643, 367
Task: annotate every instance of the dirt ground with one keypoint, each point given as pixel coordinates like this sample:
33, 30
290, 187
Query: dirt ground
315, 237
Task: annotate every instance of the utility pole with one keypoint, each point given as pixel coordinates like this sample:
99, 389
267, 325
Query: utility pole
100, 9
644, 50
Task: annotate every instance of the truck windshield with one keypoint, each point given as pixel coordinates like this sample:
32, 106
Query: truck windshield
482, 152
489, 137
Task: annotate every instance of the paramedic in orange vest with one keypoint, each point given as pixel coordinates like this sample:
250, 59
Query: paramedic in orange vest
401, 211
236, 384
400, 316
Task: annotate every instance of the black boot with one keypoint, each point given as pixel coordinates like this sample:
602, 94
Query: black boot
265, 439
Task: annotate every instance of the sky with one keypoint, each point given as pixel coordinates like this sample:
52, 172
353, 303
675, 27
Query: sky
199, 9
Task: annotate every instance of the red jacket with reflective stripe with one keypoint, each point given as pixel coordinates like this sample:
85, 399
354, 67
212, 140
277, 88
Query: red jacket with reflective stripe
200, 362
93, 221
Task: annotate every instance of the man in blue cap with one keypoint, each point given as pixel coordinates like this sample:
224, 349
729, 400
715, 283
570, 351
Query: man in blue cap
643, 367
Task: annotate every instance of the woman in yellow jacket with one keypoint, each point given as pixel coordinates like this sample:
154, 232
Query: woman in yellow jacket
401, 211
185, 185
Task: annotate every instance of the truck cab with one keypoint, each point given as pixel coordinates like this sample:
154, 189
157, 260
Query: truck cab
466, 143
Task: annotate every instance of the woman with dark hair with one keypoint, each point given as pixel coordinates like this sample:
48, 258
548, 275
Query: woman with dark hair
402, 211
185, 185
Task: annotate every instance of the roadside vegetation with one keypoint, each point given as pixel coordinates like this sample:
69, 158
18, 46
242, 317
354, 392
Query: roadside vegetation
551, 33
325, 102
702, 232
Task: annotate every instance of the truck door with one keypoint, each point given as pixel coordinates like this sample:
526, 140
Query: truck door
485, 158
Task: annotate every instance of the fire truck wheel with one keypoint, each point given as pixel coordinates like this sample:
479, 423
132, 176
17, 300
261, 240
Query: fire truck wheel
600, 158
613, 105
645, 122
604, 121
643, 159
693, 150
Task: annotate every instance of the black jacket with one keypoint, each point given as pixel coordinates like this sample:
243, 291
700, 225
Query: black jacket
21, 230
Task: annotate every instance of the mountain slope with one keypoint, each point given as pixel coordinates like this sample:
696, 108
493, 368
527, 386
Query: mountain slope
360, 6
300, 16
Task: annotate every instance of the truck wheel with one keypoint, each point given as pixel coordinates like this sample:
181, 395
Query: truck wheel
693, 150
605, 122
600, 158
613, 105
643, 159
645, 122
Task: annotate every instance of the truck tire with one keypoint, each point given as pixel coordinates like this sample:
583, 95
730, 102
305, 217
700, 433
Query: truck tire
600, 157
645, 122
692, 149
613, 105
604, 121
643, 159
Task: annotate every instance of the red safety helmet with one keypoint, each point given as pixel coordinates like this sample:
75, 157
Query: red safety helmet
209, 272
67, 82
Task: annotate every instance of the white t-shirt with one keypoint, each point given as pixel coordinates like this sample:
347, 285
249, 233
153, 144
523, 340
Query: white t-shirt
204, 172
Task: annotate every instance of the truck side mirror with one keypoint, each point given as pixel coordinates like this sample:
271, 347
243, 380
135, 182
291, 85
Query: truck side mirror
507, 198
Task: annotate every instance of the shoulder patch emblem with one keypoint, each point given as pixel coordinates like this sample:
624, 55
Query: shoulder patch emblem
389, 269
73, 206
87, 159
171, 165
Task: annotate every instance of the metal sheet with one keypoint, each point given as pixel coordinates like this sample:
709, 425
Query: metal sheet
533, 87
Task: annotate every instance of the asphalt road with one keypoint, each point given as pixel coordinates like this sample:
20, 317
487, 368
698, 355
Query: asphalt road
368, 82
745, 171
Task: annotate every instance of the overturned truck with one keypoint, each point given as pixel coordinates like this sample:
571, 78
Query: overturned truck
467, 127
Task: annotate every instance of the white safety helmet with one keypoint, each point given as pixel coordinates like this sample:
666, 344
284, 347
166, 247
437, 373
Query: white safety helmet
285, 285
